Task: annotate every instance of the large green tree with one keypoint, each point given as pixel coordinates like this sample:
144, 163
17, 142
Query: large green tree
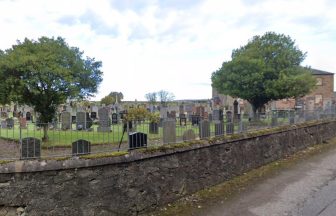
44, 73
266, 68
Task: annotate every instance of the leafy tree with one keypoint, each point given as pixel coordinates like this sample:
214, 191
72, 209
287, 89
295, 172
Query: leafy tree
151, 97
165, 96
266, 68
107, 100
112, 98
117, 96
45, 73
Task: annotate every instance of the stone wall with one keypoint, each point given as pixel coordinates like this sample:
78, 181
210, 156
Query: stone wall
138, 182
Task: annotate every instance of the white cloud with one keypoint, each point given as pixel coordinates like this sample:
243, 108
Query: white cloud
148, 45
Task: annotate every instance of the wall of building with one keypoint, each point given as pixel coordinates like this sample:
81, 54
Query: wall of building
139, 182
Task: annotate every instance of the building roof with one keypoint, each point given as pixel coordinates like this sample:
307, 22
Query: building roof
320, 72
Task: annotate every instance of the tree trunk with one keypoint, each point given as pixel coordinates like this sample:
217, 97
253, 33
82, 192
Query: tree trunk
45, 137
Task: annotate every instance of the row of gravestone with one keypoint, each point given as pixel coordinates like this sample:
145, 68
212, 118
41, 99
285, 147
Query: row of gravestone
84, 121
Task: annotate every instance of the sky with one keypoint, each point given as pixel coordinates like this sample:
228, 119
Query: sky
172, 45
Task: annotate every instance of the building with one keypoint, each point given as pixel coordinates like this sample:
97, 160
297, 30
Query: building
322, 97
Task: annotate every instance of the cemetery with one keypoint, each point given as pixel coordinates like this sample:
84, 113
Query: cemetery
127, 126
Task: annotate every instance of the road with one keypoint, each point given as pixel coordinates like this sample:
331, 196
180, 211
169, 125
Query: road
307, 188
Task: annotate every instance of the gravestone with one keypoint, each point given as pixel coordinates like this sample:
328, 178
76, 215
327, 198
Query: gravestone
104, 120
163, 113
291, 117
81, 147
3, 124
93, 115
189, 135
89, 122
81, 120
28, 116
228, 116
153, 128
235, 109
73, 119
114, 118
169, 131
171, 115
195, 119
274, 119
204, 129
181, 109
229, 128
183, 120
30, 148
66, 120
10, 122
210, 117
219, 128
137, 140
23, 123
217, 115
242, 126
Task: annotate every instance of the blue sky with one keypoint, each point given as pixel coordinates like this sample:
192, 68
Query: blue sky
175, 45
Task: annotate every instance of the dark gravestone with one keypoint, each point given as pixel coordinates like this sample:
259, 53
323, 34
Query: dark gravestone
81, 120
30, 148
189, 135
219, 128
10, 122
195, 119
229, 128
210, 117
137, 140
153, 128
169, 131
73, 119
204, 129
93, 115
216, 115
114, 118
28, 116
81, 147
183, 120
235, 109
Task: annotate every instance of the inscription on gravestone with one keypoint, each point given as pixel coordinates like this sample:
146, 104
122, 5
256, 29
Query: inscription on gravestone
30, 148
204, 129
169, 131
81, 147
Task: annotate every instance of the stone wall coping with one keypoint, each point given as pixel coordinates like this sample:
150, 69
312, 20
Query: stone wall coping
24, 166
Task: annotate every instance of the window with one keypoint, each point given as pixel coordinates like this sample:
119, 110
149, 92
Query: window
318, 81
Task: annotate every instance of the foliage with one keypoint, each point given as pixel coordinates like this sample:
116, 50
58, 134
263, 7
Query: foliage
151, 97
154, 117
45, 73
134, 114
266, 68
107, 100
112, 98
